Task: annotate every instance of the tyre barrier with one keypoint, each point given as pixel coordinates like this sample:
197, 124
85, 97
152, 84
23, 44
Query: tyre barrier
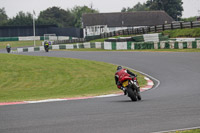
120, 46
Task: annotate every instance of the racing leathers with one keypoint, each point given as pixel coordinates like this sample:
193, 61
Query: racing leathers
122, 72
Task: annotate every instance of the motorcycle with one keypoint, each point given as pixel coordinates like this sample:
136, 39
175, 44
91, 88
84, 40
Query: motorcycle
8, 49
131, 87
46, 48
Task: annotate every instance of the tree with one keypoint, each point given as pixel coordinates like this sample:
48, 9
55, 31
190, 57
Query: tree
173, 7
189, 19
137, 7
21, 19
3, 16
56, 15
77, 12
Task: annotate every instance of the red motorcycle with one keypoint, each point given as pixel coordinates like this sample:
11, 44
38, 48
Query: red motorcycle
132, 87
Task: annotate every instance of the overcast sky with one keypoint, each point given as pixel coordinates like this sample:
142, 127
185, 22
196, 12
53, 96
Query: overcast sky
12, 7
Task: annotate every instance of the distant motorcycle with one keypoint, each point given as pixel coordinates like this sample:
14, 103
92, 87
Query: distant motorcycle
132, 87
8, 48
46, 47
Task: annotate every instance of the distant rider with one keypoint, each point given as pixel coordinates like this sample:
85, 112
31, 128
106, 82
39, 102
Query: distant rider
122, 72
8, 48
46, 45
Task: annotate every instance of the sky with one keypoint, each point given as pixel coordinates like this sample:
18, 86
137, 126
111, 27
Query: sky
12, 7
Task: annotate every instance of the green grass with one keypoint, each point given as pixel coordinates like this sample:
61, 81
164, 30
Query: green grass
188, 131
188, 32
99, 40
19, 44
33, 78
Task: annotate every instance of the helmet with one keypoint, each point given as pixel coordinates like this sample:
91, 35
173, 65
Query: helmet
119, 67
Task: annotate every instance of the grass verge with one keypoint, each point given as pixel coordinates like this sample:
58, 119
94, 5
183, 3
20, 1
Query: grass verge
19, 44
188, 32
36, 78
188, 131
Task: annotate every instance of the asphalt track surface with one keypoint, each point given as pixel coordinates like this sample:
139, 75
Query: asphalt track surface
174, 104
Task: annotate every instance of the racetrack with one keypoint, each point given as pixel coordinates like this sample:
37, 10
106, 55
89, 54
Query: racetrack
174, 104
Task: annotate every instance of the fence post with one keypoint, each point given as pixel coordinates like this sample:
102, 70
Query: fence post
123, 32
163, 27
181, 25
172, 26
191, 24
143, 31
114, 33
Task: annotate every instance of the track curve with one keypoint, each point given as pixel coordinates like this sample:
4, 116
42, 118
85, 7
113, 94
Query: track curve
173, 105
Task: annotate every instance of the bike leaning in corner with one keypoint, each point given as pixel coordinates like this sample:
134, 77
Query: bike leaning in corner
127, 81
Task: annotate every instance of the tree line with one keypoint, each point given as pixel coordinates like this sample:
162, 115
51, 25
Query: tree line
173, 8
50, 16
72, 17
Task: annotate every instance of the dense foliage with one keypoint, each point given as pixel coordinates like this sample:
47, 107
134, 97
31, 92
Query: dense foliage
189, 19
72, 17
52, 15
21, 19
55, 15
137, 7
77, 12
3, 16
173, 7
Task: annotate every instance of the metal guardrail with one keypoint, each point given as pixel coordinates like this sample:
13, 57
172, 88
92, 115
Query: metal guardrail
79, 40
157, 28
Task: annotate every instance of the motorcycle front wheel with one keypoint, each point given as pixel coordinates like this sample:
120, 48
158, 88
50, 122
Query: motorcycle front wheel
139, 96
47, 50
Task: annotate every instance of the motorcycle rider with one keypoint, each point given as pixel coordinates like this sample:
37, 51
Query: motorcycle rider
46, 45
8, 48
122, 71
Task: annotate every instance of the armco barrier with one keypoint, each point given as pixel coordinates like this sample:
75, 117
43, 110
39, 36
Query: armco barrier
121, 46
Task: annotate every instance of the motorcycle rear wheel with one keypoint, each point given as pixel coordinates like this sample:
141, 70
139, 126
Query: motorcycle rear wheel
132, 94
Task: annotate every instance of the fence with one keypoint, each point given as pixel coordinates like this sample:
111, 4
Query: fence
15, 31
77, 40
145, 30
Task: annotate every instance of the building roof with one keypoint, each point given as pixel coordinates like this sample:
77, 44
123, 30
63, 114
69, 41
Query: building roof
126, 19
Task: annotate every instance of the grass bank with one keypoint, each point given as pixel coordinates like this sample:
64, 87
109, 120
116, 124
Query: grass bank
19, 44
35, 78
187, 131
188, 32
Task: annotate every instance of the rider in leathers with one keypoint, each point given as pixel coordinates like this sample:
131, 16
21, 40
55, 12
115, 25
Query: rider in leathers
119, 72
